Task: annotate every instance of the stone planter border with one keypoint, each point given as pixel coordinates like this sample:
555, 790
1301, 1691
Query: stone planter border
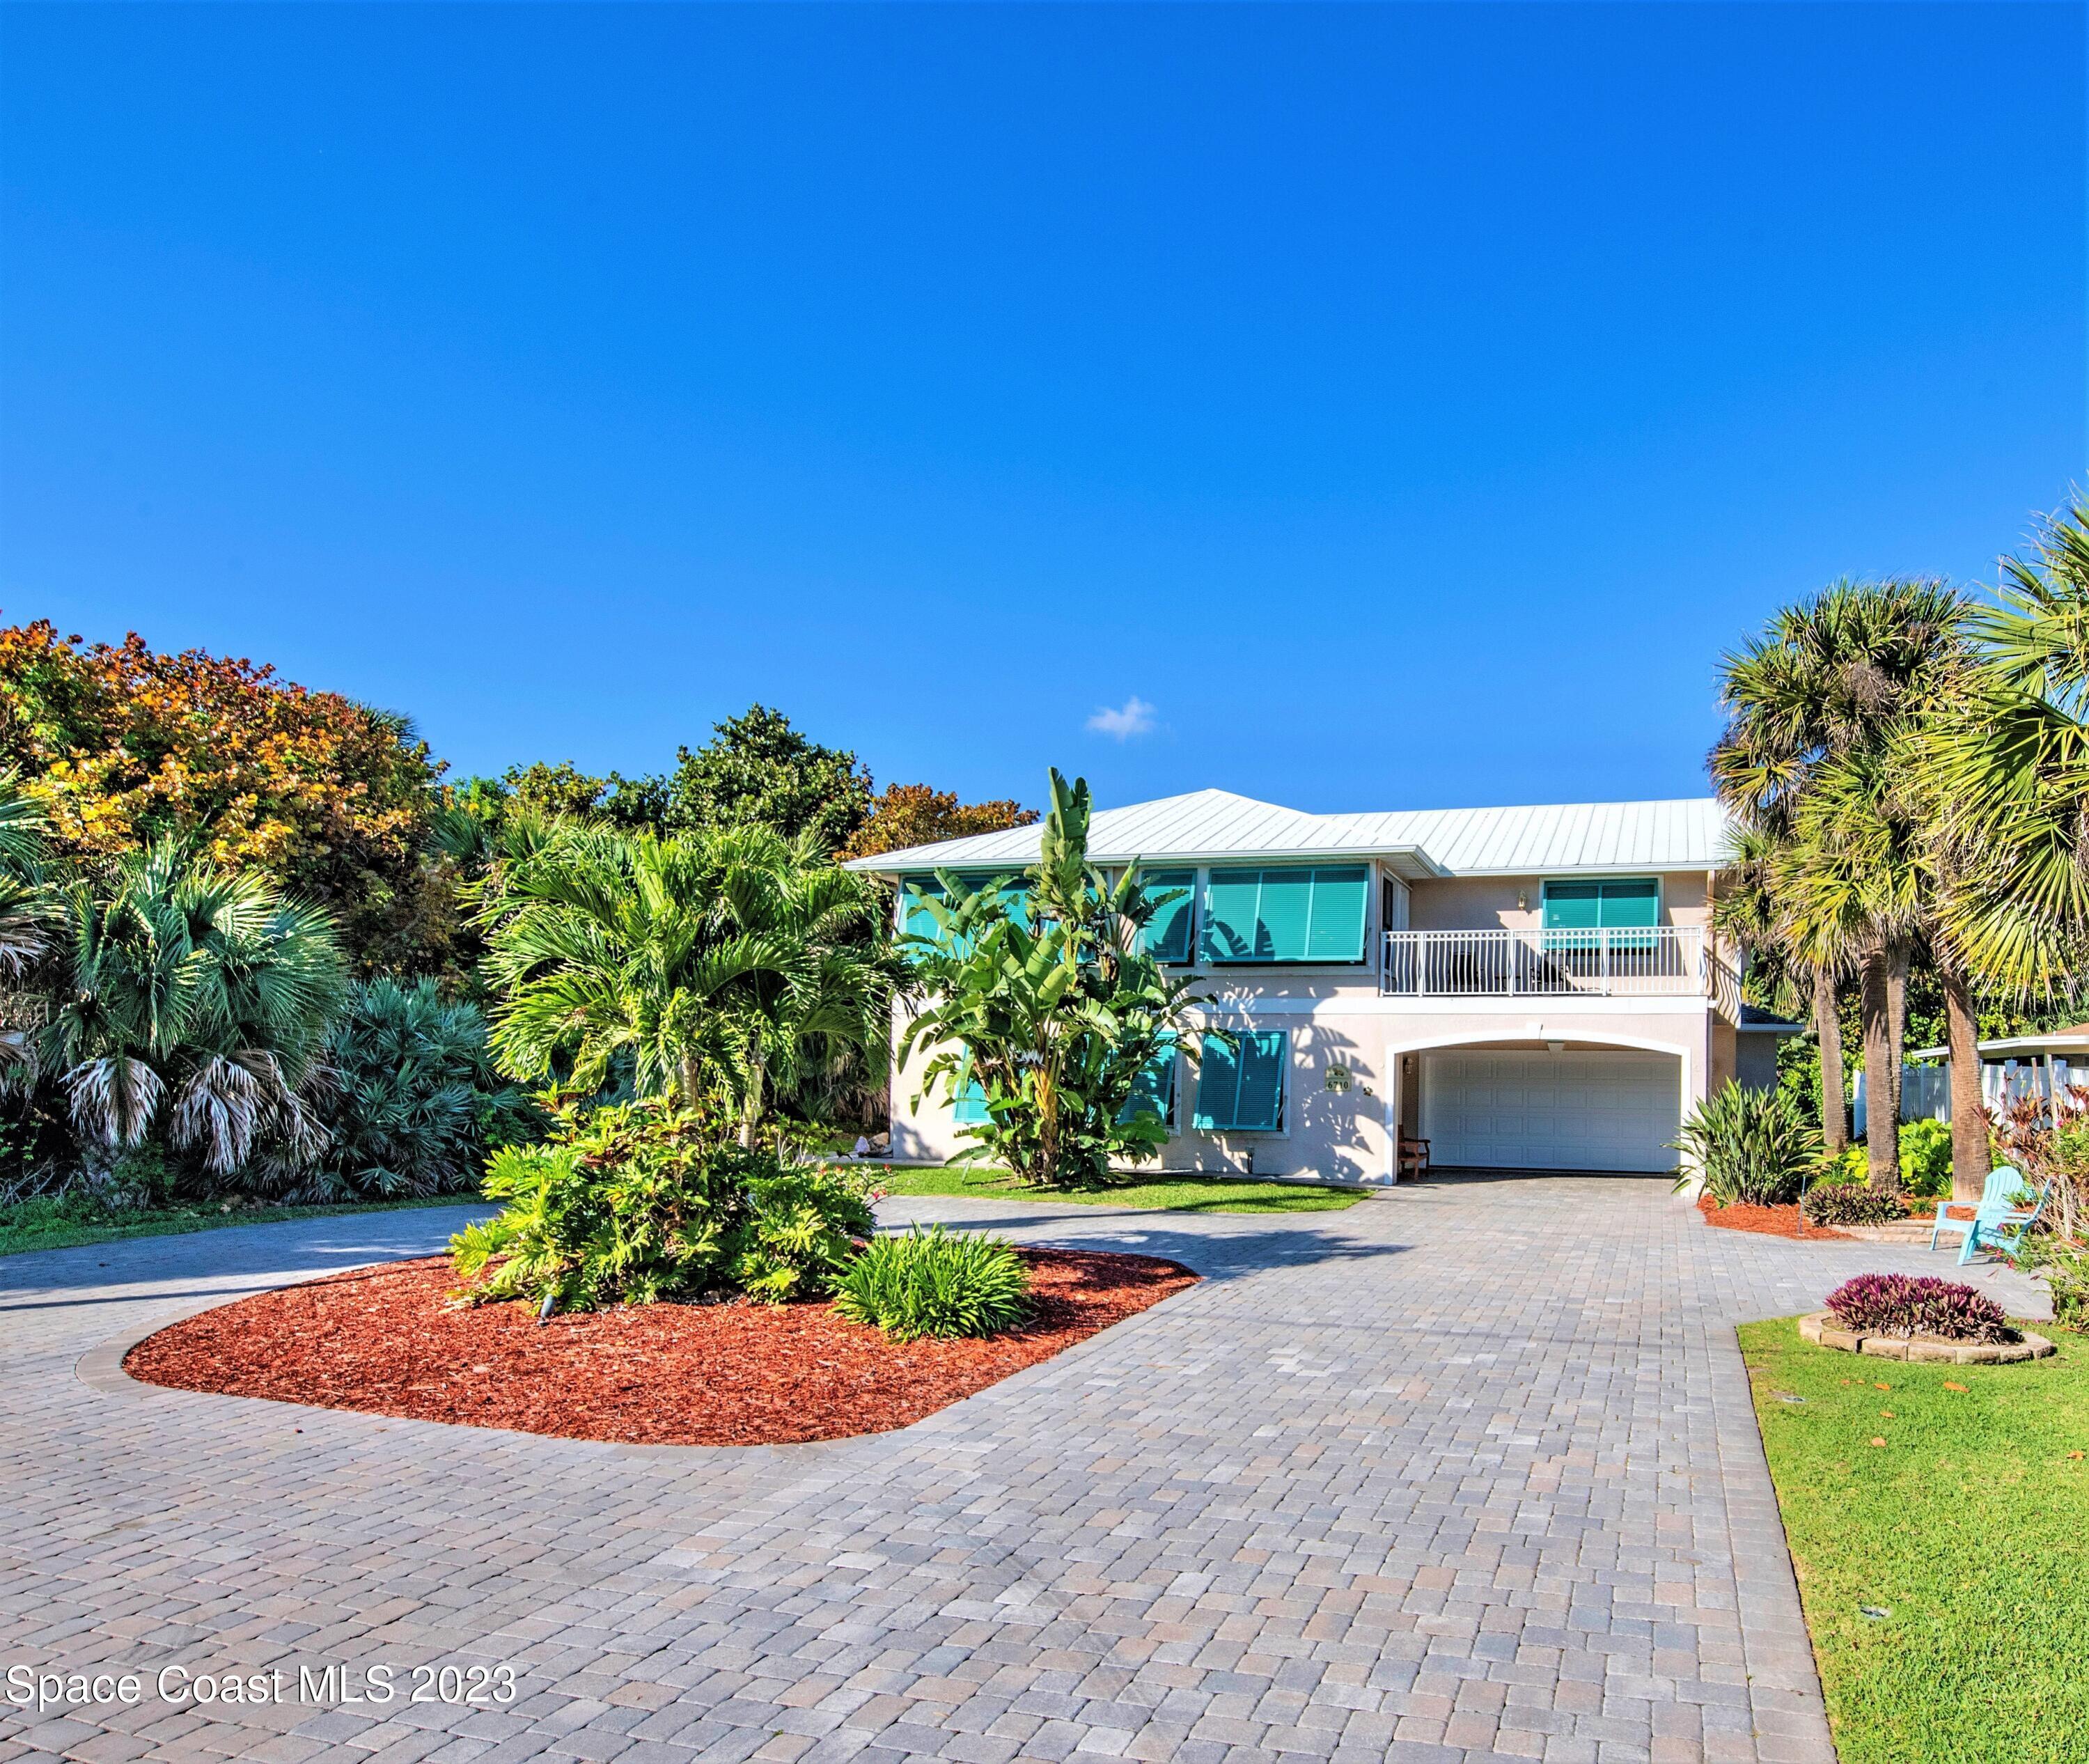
1822, 1329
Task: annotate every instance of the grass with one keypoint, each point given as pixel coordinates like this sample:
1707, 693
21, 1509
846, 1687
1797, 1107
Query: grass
1968, 1527
1176, 1194
43, 1234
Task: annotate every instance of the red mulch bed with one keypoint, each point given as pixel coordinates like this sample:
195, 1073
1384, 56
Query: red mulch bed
1783, 1221
1766, 1222
385, 1339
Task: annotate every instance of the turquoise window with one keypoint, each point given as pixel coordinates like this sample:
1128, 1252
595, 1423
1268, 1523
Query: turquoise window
1241, 1089
970, 1104
1153, 1093
1166, 937
1291, 914
916, 920
1625, 903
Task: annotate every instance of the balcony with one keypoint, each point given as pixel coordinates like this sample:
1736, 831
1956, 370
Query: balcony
1659, 961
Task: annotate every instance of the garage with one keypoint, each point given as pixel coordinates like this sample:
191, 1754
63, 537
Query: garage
1518, 1109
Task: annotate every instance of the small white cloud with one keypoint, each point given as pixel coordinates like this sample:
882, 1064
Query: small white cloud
1133, 717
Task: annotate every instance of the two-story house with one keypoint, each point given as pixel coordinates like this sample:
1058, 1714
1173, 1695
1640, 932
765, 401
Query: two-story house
1526, 989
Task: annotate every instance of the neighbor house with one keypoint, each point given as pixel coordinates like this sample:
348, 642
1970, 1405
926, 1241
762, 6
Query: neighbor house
1530, 988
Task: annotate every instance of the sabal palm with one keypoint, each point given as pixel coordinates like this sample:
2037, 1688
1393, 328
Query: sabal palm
1747, 912
194, 1001
26, 922
719, 961
1814, 706
2011, 767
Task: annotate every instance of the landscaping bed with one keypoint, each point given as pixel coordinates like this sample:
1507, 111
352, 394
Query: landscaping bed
1764, 1222
387, 1340
1784, 1221
1938, 1517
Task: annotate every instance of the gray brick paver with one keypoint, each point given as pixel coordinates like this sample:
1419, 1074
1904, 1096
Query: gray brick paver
1467, 1472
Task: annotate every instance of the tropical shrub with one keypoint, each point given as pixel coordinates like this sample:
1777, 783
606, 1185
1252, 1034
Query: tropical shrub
2063, 1265
1752, 1147
1041, 995
644, 1202
1850, 1203
1925, 1158
416, 1102
933, 1282
1918, 1304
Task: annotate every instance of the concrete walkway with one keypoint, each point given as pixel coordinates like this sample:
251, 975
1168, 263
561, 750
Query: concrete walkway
1466, 1472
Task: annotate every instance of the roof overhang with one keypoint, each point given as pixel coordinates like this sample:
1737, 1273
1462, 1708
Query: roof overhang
1410, 863
2014, 1045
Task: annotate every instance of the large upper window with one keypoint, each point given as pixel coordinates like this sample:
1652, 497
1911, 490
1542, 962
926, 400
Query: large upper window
1613, 903
1291, 913
1166, 937
916, 920
1241, 1088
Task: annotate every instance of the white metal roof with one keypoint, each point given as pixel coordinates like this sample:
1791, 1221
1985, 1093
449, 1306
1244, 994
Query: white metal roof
1208, 826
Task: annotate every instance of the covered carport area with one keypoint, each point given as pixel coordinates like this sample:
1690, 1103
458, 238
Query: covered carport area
1564, 1102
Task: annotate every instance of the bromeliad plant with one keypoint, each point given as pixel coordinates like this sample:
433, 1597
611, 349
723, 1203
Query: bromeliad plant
1043, 997
647, 1201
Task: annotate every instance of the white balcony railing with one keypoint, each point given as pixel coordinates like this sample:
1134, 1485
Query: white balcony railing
1659, 960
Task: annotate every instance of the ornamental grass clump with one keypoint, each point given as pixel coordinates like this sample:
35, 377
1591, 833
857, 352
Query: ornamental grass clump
932, 1283
1912, 1305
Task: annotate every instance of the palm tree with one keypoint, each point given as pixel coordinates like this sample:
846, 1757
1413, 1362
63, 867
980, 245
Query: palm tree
194, 1003
1813, 707
2011, 767
1745, 913
729, 960
26, 927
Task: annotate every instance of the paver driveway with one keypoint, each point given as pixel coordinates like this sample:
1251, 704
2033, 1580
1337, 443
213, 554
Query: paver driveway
1466, 1471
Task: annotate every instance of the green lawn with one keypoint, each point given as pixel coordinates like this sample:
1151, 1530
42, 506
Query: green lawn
1969, 1528
37, 1233
1178, 1194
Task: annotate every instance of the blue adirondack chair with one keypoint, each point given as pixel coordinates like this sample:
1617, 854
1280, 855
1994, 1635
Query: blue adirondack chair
2002, 1231
1998, 1195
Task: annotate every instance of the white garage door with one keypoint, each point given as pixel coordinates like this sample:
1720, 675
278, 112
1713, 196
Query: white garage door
1569, 1111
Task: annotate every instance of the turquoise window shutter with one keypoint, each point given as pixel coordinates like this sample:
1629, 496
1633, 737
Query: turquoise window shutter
1153, 1093
915, 920
1286, 914
1232, 899
1573, 906
1341, 897
970, 1103
1218, 1085
1166, 937
1631, 903
1263, 1058
1243, 1090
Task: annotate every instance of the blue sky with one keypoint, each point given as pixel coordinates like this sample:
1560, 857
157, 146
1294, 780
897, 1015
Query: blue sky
1406, 403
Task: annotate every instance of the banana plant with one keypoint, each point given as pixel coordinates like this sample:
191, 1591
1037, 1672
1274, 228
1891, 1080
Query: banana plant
1050, 1005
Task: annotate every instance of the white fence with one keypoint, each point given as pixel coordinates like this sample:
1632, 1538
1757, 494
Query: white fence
1657, 960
